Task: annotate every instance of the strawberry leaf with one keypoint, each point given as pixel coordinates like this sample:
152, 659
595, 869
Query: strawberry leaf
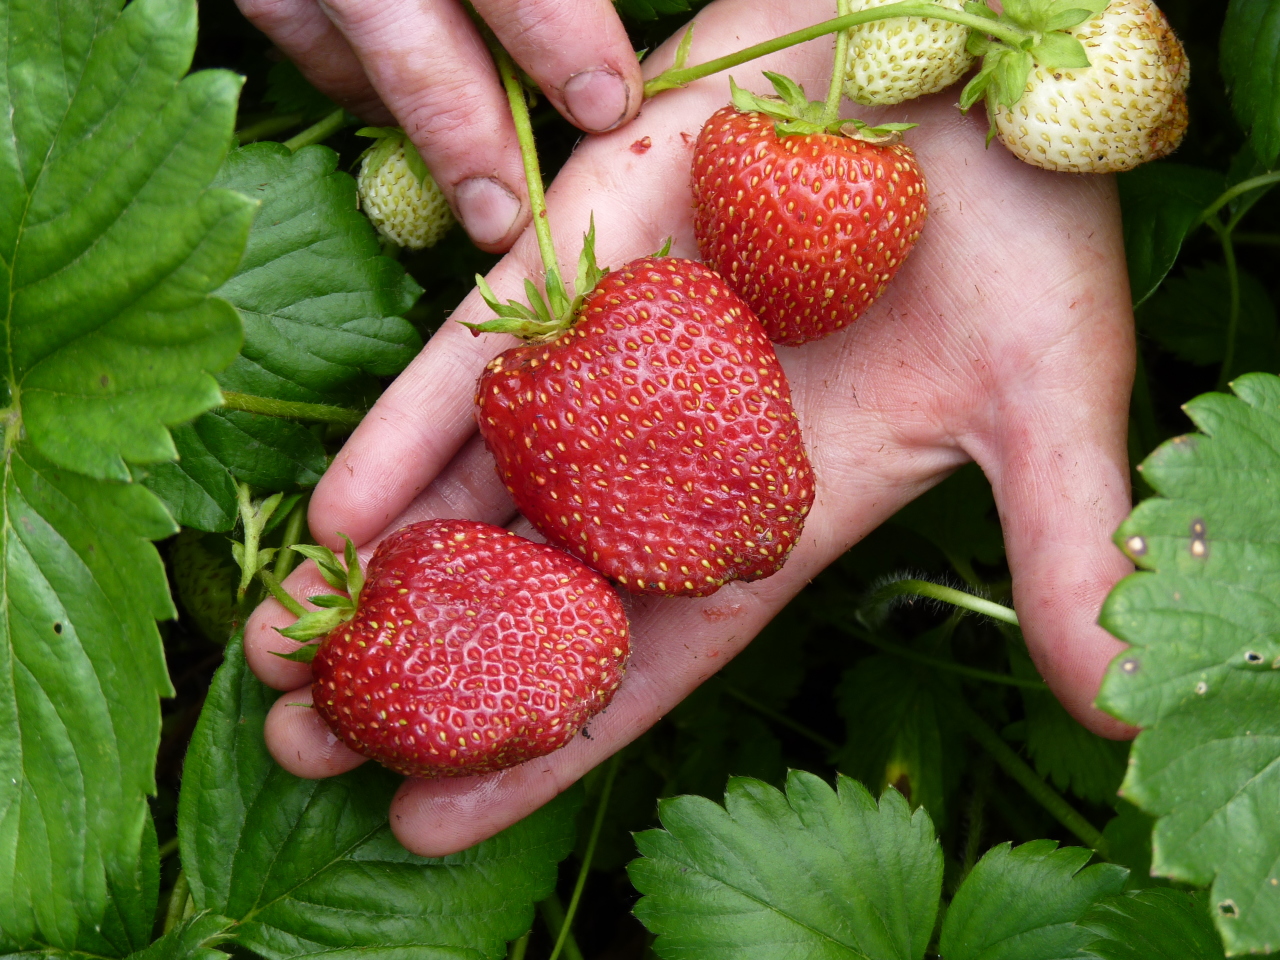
815, 872
310, 867
197, 488
1250, 60
1161, 204
193, 939
1022, 903
1203, 674
1154, 924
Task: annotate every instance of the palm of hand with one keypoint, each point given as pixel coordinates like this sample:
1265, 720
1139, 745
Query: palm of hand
1006, 338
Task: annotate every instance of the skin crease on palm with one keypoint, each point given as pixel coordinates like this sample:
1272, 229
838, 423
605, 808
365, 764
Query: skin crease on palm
1006, 338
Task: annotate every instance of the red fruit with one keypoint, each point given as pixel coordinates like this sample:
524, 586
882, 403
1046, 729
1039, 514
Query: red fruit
471, 649
807, 228
655, 438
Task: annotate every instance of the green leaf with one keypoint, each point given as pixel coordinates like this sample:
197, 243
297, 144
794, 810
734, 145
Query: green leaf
198, 489
650, 9
321, 306
81, 674
1156, 924
1061, 51
310, 866
193, 939
1022, 903
1250, 57
1202, 674
109, 242
818, 873
1128, 836
205, 579
1190, 314
263, 451
1161, 203
289, 90
897, 735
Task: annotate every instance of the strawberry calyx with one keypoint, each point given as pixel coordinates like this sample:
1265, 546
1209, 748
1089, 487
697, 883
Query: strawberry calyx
386, 140
334, 608
797, 115
1006, 67
543, 318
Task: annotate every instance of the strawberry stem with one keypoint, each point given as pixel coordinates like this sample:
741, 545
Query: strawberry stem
835, 92
292, 410
556, 294
679, 76
322, 129
589, 854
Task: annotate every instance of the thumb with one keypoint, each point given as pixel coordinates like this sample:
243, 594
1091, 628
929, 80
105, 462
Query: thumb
1059, 470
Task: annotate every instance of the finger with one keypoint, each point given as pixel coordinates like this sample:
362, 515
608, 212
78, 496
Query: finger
307, 37
302, 742
578, 53
433, 71
1059, 466
469, 488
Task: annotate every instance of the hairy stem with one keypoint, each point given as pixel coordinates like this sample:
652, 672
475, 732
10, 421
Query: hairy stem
286, 558
679, 76
1018, 771
292, 409
1239, 190
949, 666
834, 92
552, 911
518, 947
1233, 305
177, 901
532, 175
283, 597
603, 805
936, 591
322, 129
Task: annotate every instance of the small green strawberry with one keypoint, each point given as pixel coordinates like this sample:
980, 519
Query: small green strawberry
205, 579
903, 58
398, 194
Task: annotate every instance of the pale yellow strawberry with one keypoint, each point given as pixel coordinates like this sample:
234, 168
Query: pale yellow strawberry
1129, 106
408, 211
904, 57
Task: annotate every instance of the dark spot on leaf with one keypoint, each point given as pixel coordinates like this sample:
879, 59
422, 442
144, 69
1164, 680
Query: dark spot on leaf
104, 380
1253, 657
57, 628
1228, 908
1197, 529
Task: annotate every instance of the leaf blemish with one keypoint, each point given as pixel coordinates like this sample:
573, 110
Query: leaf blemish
1131, 666
1136, 546
1228, 908
57, 628
1202, 688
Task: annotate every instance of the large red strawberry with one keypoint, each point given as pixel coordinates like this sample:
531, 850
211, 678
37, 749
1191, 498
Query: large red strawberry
469, 649
654, 437
807, 222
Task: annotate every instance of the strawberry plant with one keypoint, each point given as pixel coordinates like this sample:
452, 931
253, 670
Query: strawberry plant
198, 316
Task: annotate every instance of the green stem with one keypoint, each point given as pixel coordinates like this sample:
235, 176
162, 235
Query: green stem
679, 76
177, 901
1258, 239
292, 409
977, 815
251, 534
610, 775
533, 177
268, 127
936, 591
168, 848
780, 718
552, 911
975, 673
1233, 304
286, 558
518, 947
1025, 777
322, 129
1240, 189
280, 593
835, 91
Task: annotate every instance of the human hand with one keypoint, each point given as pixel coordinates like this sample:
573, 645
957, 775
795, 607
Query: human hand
1006, 338
424, 65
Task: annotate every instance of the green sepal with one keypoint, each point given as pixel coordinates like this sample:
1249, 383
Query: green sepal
386, 141
355, 576
1060, 51
980, 10
315, 623
665, 250
326, 561
331, 600
304, 654
1010, 79
379, 132
682, 49
798, 116
589, 272
1065, 14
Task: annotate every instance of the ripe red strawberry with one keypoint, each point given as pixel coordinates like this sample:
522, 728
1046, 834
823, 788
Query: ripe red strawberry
470, 649
654, 438
807, 225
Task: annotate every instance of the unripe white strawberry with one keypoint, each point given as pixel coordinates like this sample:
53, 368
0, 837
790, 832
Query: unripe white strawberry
399, 195
1129, 106
905, 57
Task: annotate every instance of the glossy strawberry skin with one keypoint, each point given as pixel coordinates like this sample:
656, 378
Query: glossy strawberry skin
808, 229
655, 439
471, 650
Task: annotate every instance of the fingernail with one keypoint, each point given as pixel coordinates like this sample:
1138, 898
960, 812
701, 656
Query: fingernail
486, 208
597, 99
